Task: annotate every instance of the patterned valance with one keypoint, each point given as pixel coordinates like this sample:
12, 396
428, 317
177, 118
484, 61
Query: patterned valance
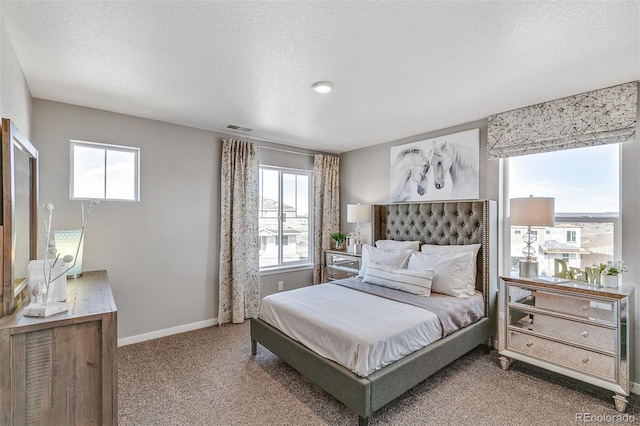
593, 118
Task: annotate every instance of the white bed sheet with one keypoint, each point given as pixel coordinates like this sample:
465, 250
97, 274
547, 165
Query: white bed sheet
360, 331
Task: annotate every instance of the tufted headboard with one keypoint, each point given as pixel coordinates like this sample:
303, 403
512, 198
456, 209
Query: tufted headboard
447, 223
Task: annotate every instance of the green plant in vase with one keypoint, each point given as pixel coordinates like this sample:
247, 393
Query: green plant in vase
339, 239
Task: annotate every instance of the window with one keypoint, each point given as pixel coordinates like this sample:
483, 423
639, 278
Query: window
285, 206
104, 172
585, 183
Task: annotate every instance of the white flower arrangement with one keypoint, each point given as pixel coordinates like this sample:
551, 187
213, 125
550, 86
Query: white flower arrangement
614, 268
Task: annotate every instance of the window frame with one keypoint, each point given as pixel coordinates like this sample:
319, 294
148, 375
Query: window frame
616, 221
299, 264
107, 147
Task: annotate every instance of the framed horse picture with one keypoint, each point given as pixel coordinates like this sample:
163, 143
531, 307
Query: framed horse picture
442, 168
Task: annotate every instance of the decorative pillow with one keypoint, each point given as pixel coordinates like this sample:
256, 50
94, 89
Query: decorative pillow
398, 245
415, 282
451, 271
473, 248
384, 257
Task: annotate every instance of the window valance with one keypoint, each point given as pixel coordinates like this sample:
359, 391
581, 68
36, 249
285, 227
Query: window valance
593, 118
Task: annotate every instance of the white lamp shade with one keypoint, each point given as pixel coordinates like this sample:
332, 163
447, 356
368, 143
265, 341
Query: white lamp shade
358, 213
532, 211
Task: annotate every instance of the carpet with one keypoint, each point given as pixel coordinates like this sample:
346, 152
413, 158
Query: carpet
208, 377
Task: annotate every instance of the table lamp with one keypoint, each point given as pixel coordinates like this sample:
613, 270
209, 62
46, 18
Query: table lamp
531, 211
357, 213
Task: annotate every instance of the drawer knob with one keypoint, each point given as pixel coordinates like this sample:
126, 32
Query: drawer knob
585, 333
585, 360
529, 344
585, 308
333, 274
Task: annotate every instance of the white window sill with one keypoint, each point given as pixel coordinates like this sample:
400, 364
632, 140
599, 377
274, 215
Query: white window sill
272, 270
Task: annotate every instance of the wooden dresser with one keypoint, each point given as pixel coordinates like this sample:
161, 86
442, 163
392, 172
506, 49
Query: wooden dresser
62, 369
570, 327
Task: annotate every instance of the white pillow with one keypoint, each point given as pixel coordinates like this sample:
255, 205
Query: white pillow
473, 248
398, 245
451, 271
415, 282
385, 257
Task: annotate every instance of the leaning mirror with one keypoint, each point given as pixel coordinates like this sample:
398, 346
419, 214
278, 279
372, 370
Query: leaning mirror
19, 206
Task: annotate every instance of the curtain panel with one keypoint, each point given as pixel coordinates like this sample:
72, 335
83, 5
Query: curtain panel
593, 118
326, 208
239, 276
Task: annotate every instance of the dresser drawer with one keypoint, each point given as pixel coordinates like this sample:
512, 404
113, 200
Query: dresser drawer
337, 274
591, 335
583, 307
343, 261
593, 363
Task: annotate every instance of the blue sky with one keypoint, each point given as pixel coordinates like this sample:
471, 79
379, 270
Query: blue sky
581, 180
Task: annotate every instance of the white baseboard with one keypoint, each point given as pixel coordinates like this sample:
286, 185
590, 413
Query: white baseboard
167, 332
634, 388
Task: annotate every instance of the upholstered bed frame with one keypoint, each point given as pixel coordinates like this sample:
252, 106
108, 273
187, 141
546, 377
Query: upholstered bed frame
442, 223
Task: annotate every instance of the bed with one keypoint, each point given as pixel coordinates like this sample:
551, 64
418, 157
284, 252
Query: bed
436, 223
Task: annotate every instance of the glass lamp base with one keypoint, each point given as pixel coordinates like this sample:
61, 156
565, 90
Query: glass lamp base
528, 268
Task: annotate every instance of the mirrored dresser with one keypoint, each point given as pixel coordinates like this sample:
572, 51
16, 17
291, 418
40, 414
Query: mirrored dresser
340, 264
569, 327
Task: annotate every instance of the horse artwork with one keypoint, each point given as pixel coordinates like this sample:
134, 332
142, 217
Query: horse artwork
409, 170
443, 168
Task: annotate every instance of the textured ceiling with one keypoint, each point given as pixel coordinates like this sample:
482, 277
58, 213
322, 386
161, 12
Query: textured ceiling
399, 68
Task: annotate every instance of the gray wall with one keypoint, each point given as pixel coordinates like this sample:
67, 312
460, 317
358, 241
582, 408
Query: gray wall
15, 98
364, 178
364, 173
162, 253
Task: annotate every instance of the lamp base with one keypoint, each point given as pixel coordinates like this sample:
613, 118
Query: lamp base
528, 268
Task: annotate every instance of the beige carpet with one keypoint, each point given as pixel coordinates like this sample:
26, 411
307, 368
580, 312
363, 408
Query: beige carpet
208, 377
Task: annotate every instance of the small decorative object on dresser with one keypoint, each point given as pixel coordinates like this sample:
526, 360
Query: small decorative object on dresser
340, 264
339, 238
611, 273
48, 276
569, 327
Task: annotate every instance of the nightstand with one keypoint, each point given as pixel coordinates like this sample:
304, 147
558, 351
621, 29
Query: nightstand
340, 264
569, 327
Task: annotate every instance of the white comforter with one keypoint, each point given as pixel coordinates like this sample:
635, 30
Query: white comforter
360, 331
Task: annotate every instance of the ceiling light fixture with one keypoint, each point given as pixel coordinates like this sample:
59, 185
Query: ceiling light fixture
322, 86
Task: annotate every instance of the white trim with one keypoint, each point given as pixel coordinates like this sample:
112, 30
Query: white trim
167, 332
284, 269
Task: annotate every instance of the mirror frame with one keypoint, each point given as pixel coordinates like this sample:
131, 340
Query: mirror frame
12, 139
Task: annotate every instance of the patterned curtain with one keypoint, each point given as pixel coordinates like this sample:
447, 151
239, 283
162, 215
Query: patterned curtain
593, 118
239, 278
326, 208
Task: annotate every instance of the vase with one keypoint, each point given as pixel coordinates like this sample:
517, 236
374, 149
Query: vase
609, 280
339, 245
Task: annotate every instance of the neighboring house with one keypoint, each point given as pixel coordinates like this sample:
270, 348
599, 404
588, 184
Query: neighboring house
578, 247
294, 233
